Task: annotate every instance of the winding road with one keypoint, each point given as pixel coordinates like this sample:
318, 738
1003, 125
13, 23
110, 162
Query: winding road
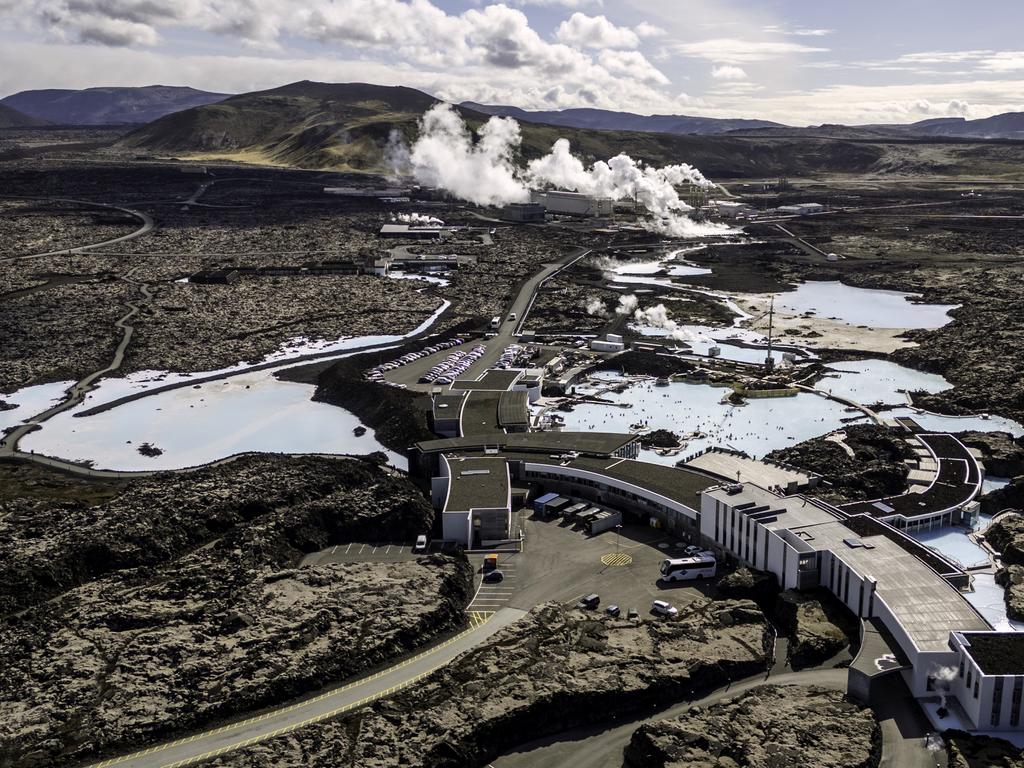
208, 744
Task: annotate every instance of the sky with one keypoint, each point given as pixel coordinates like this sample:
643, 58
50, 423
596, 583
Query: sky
794, 61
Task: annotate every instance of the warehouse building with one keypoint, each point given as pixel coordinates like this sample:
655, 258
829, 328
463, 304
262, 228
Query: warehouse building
989, 682
524, 213
800, 209
574, 203
410, 231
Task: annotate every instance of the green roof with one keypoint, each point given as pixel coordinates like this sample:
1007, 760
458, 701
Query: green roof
493, 381
481, 414
477, 482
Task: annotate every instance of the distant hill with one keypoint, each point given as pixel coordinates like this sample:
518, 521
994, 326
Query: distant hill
108, 106
1009, 125
607, 120
304, 124
346, 126
12, 118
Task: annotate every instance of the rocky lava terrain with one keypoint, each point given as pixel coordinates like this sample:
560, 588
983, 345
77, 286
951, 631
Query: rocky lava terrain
1006, 535
876, 469
768, 726
554, 669
179, 601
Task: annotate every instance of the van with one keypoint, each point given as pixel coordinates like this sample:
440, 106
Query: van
495, 322
490, 562
590, 601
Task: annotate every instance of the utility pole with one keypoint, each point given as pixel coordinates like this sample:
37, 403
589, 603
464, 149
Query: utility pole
769, 363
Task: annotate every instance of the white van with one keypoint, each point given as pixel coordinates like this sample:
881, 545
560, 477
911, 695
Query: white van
495, 322
689, 568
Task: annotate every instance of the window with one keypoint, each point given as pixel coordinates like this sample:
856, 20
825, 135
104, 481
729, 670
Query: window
1018, 687
976, 681
997, 701
961, 666
969, 672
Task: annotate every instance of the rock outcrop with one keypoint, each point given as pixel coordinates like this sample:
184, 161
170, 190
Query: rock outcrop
554, 669
965, 750
1006, 535
874, 470
185, 604
767, 726
1002, 454
818, 626
749, 584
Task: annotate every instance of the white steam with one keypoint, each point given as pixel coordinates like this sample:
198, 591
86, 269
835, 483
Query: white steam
418, 219
445, 156
596, 307
627, 304
484, 173
657, 317
944, 677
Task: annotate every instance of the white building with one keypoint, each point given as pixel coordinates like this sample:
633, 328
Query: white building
612, 342
574, 203
989, 682
800, 209
475, 498
732, 209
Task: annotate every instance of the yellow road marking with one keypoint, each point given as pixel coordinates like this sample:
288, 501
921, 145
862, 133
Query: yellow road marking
616, 559
476, 619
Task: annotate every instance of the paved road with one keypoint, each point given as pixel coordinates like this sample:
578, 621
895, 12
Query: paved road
208, 744
145, 218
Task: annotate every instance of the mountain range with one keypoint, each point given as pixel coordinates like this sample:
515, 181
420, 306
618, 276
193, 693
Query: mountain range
348, 126
607, 120
108, 106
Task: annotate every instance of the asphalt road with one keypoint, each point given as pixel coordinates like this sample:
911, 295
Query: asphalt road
208, 744
506, 333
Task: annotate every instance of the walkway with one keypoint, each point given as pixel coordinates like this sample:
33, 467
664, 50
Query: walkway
275, 722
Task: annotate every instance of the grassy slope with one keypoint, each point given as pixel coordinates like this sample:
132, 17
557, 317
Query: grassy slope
346, 127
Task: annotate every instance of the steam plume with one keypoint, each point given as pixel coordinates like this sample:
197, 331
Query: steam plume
484, 173
627, 304
596, 307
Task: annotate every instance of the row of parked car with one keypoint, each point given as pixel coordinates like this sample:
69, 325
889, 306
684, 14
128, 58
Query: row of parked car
512, 355
658, 608
453, 366
377, 372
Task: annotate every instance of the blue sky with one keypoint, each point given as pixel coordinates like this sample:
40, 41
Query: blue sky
794, 61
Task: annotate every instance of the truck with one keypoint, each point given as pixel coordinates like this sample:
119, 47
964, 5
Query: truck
603, 521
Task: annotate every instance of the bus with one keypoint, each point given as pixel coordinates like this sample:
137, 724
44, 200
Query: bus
688, 568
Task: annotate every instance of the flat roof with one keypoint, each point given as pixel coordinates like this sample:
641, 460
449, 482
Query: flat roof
493, 380
447, 405
996, 653
480, 414
599, 443
924, 603
736, 468
678, 484
477, 482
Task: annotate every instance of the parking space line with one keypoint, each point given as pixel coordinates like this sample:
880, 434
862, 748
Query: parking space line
334, 549
388, 549
361, 548
348, 548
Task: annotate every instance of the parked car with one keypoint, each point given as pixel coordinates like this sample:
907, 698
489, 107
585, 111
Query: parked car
691, 550
421, 543
612, 610
633, 614
590, 601
492, 577
662, 608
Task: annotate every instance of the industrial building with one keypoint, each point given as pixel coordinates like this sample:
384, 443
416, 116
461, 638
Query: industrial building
524, 213
800, 209
612, 342
989, 680
574, 203
411, 231
732, 209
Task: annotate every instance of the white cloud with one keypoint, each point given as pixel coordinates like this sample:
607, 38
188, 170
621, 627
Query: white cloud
778, 29
644, 29
728, 72
595, 32
732, 50
632, 64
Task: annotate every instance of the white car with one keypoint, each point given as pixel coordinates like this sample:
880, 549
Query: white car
421, 543
661, 608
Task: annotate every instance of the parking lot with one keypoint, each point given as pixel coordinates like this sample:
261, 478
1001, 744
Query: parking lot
359, 552
562, 564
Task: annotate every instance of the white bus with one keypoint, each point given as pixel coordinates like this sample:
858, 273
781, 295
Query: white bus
688, 568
